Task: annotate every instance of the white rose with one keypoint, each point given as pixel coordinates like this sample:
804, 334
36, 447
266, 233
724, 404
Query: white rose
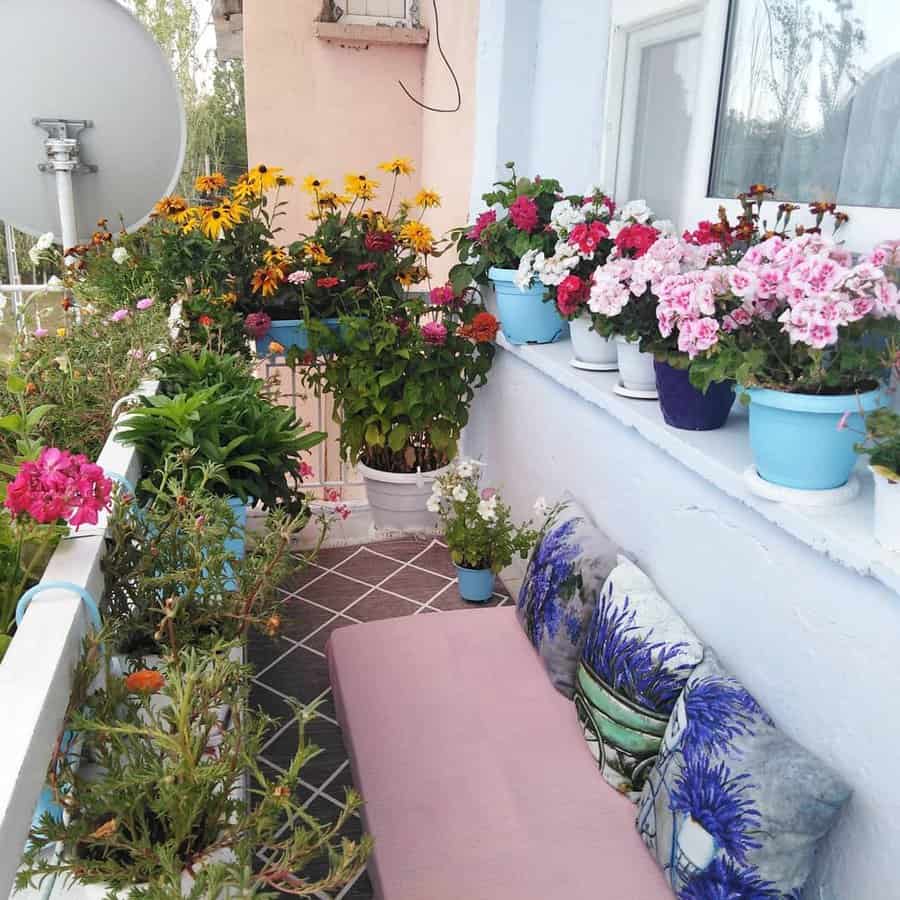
637, 210
540, 506
119, 255
45, 241
460, 493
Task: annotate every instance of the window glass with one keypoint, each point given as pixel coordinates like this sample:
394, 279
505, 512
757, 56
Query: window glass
810, 102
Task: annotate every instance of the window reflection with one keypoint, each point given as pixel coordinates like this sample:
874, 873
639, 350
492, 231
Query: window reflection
811, 101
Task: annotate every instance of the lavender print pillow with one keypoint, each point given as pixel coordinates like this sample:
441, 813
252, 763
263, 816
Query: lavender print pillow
566, 570
733, 807
636, 658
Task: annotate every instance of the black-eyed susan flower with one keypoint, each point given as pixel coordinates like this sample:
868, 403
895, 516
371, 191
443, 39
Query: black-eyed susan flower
236, 210
169, 207
264, 178
427, 199
216, 221
284, 180
399, 165
360, 186
209, 184
312, 184
266, 280
314, 251
244, 190
420, 237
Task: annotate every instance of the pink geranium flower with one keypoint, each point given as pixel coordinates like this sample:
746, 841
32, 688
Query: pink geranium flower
483, 221
524, 214
59, 485
305, 470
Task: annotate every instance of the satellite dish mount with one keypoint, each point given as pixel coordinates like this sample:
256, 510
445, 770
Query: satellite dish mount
63, 161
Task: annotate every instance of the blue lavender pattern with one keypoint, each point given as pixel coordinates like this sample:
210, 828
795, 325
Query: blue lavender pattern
629, 661
722, 880
717, 801
551, 578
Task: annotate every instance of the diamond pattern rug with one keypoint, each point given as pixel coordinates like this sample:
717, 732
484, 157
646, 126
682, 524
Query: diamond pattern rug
346, 585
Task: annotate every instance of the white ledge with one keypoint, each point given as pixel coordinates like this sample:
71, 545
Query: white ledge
842, 533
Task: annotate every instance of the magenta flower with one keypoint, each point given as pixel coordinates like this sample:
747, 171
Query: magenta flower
487, 493
524, 214
483, 221
119, 315
257, 324
40, 332
305, 470
434, 333
144, 303
59, 485
442, 296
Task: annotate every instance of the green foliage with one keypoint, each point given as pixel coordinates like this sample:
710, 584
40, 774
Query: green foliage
501, 244
173, 575
401, 402
159, 815
477, 526
882, 442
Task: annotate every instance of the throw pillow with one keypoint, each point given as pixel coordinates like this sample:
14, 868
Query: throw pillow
636, 658
567, 567
734, 807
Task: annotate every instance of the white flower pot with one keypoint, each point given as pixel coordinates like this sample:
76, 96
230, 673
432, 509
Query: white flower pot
887, 510
635, 368
590, 346
398, 499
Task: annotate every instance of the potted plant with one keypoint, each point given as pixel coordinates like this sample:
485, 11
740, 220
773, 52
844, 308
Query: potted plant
402, 385
479, 530
799, 338
504, 251
882, 444
161, 809
355, 252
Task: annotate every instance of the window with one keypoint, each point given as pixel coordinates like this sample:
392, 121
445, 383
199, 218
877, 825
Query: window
387, 12
810, 102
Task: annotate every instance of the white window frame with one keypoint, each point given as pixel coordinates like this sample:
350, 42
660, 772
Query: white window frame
410, 20
867, 226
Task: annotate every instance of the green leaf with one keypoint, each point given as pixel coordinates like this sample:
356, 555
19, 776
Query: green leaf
15, 384
33, 418
374, 437
397, 437
12, 422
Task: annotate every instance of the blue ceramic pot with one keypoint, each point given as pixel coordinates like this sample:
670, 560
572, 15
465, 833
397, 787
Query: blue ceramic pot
289, 333
524, 315
237, 545
475, 585
796, 441
683, 406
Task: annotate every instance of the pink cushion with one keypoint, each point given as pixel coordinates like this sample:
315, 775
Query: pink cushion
477, 781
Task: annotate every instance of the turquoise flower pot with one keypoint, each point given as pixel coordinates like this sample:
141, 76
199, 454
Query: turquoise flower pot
289, 333
237, 545
475, 585
796, 441
524, 315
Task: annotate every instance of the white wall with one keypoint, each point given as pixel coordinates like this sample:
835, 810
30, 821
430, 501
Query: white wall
809, 638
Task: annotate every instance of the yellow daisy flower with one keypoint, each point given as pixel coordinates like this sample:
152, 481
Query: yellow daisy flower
360, 186
418, 236
316, 253
264, 178
244, 190
427, 198
60, 332
399, 165
284, 180
235, 209
312, 184
215, 221
209, 184
171, 206
275, 256
229, 298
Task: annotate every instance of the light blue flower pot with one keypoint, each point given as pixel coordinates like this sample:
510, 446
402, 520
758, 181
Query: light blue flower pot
475, 585
524, 315
796, 441
237, 545
289, 333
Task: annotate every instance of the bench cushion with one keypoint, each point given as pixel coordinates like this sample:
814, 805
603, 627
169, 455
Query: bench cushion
475, 775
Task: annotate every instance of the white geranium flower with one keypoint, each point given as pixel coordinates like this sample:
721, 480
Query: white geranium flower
487, 509
436, 489
45, 241
540, 507
465, 469
564, 216
460, 493
433, 505
525, 275
637, 210
552, 271
119, 255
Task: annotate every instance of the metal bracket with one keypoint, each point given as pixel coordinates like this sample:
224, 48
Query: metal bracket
62, 145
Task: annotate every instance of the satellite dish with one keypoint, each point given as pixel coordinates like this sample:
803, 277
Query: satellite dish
93, 124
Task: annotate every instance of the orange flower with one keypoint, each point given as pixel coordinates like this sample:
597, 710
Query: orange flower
170, 206
267, 280
482, 329
145, 681
276, 347
205, 321
758, 190
208, 184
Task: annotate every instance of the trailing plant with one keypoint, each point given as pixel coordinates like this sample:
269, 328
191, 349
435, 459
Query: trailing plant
477, 525
175, 576
159, 812
524, 226
882, 442
403, 378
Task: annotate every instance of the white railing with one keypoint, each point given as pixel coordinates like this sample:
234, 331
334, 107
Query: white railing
36, 673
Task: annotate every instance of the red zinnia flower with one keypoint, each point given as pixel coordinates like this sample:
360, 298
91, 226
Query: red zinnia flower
257, 324
328, 282
367, 267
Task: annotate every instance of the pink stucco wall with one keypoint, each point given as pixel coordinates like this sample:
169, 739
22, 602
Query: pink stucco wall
317, 107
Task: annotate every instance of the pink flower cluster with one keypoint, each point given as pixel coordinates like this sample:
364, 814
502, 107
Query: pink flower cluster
301, 276
483, 221
442, 295
814, 283
434, 333
687, 302
524, 214
59, 485
586, 237
257, 324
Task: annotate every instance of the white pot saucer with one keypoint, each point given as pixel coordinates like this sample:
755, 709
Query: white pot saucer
593, 367
632, 394
796, 497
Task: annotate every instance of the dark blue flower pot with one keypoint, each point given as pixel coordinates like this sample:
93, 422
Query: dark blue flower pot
475, 585
683, 406
289, 333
